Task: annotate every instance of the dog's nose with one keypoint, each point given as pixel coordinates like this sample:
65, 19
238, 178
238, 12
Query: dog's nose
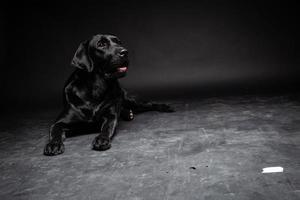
123, 53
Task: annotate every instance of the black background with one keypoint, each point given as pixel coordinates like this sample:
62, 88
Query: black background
177, 49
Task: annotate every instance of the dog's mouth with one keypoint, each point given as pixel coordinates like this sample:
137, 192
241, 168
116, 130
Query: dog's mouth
122, 69
117, 71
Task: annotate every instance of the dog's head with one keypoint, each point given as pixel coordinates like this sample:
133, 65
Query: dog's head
103, 54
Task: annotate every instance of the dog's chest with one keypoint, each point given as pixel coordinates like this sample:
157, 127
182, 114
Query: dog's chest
98, 88
102, 89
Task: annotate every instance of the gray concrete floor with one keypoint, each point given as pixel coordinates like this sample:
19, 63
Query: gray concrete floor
212, 148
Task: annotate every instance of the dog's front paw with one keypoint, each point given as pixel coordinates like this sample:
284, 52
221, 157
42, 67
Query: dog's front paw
54, 148
101, 143
164, 108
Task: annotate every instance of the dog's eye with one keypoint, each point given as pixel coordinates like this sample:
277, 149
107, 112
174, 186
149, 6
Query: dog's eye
101, 44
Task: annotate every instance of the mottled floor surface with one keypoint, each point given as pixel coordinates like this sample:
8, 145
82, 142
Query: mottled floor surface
213, 148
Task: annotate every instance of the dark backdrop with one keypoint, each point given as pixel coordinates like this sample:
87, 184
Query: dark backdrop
177, 49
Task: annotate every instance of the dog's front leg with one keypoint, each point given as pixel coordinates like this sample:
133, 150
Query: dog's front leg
110, 120
55, 145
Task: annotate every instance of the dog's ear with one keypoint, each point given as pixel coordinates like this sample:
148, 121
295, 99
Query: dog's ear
82, 57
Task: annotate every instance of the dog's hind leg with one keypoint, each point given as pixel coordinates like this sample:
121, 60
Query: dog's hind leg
126, 114
143, 106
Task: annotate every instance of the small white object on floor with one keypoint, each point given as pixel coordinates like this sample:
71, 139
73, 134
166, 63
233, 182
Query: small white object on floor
272, 170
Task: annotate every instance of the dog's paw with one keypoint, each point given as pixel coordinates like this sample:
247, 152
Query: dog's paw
164, 108
127, 114
54, 148
101, 144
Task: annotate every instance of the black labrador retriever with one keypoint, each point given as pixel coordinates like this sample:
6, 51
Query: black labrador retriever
93, 97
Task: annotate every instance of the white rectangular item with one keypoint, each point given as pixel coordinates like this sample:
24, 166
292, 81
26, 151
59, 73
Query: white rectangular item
272, 170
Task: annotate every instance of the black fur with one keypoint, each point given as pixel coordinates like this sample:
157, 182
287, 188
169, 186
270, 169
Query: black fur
93, 97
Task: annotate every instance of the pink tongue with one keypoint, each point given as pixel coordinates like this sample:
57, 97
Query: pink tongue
122, 69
